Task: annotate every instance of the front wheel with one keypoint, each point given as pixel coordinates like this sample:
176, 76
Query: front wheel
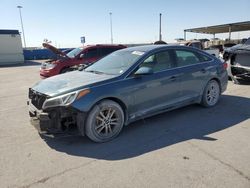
105, 121
211, 94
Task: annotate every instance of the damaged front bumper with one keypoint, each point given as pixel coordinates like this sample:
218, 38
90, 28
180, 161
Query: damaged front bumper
55, 120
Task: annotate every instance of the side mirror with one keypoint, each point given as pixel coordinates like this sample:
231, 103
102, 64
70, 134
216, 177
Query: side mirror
81, 56
82, 67
144, 71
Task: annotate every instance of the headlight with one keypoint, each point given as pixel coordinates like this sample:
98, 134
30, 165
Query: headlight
49, 65
65, 100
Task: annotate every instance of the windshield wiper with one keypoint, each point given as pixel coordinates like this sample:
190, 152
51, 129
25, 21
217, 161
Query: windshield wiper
96, 72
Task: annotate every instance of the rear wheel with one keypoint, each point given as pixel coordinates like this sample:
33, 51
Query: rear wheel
105, 121
211, 94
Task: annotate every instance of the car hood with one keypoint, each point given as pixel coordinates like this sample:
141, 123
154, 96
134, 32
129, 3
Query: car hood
68, 82
54, 49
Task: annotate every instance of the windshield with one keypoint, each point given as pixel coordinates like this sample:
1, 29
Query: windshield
74, 53
116, 63
248, 41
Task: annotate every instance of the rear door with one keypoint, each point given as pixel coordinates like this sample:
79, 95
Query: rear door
194, 72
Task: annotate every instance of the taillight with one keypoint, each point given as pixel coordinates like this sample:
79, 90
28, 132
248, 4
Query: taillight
225, 65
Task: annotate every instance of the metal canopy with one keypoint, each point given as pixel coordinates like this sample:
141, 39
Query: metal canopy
225, 28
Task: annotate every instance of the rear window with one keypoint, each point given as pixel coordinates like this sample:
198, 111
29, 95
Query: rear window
186, 57
203, 58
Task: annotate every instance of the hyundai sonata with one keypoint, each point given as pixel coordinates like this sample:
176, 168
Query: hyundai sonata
125, 86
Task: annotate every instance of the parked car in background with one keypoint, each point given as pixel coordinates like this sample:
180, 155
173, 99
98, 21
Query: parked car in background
219, 47
67, 50
243, 40
55, 50
82, 55
238, 60
125, 86
195, 44
222, 47
199, 45
228, 45
47, 54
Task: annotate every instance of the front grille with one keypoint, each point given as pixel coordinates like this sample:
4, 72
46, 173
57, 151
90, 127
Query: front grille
37, 99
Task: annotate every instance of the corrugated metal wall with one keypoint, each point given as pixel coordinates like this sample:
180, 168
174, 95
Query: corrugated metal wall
11, 51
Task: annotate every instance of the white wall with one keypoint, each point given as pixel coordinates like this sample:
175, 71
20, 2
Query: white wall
11, 51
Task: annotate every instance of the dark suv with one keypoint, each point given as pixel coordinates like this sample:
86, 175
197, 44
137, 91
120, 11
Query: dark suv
82, 55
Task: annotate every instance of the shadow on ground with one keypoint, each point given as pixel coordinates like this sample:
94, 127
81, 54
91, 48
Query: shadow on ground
241, 81
26, 63
192, 122
245, 82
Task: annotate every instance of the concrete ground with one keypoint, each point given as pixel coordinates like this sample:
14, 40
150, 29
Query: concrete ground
188, 147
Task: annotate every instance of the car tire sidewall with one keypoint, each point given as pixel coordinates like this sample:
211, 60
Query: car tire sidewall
204, 96
90, 122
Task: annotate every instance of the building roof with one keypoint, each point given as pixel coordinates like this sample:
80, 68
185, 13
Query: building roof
225, 28
9, 32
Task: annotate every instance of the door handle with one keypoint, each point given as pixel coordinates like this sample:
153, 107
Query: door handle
203, 70
173, 78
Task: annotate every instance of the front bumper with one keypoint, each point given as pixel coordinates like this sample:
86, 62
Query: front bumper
42, 123
55, 120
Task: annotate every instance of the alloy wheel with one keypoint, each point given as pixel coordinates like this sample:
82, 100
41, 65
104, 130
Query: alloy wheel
213, 93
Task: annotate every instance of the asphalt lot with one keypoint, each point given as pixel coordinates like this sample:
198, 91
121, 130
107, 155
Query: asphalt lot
188, 147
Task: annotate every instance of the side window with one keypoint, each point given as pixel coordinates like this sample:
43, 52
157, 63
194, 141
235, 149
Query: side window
91, 53
185, 57
158, 62
204, 58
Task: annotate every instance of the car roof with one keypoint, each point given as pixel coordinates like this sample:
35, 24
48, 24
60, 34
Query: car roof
145, 48
105, 45
148, 48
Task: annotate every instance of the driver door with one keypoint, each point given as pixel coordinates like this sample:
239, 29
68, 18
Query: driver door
156, 91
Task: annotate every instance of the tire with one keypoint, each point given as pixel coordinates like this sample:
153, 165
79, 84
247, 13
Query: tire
211, 94
105, 121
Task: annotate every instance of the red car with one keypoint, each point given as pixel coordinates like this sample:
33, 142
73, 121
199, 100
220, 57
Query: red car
83, 55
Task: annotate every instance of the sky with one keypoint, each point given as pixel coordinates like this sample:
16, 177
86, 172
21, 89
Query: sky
134, 21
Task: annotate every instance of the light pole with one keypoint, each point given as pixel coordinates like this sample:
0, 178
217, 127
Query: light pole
111, 29
19, 7
160, 36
